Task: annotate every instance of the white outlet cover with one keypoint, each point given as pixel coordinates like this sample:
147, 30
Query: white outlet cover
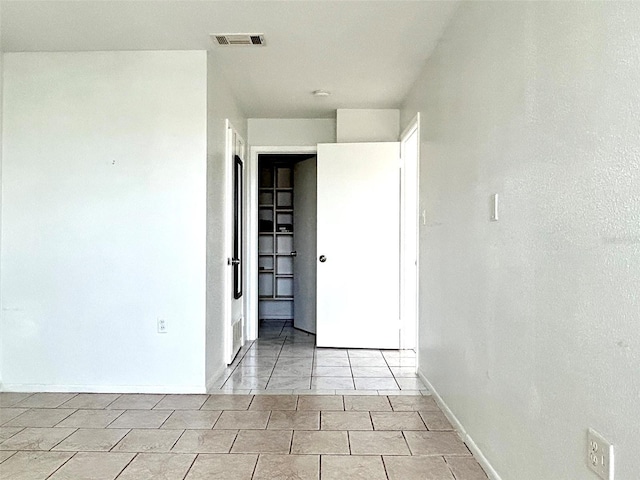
599, 455
162, 325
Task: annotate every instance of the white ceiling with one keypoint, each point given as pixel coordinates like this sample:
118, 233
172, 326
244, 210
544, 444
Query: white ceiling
367, 53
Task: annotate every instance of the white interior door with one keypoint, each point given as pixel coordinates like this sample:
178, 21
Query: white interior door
234, 302
358, 278
304, 241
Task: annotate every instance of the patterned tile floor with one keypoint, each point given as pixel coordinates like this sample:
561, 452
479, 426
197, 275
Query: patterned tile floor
313, 435
286, 360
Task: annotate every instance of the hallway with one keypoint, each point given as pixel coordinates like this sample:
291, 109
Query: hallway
285, 360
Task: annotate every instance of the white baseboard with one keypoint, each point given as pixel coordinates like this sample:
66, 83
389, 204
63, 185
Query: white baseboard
466, 438
31, 387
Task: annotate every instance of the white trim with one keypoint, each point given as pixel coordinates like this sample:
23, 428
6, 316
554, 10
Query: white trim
251, 285
36, 387
412, 127
466, 438
227, 234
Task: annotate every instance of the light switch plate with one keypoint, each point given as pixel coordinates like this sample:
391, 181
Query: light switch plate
494, 207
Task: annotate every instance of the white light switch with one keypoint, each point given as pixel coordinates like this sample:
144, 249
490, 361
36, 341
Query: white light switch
494, 207
424, 217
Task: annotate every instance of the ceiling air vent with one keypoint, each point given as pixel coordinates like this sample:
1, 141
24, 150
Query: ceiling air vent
231, 39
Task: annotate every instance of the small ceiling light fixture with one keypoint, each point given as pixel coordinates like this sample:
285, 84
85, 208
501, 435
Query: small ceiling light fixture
321, 93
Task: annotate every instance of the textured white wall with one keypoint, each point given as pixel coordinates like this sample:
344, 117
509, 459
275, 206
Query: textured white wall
529, 326
104, 221
221, 105
291, 132
367, 125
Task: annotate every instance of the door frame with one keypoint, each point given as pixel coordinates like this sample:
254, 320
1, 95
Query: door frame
251, 223
410, 339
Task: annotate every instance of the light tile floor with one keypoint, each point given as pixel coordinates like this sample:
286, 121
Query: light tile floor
285, 360
314, 435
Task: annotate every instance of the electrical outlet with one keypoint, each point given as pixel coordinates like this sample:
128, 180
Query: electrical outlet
599, 455
162, 325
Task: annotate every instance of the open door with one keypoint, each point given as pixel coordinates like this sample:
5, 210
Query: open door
304, 238
358, 269
409, 151
234, 301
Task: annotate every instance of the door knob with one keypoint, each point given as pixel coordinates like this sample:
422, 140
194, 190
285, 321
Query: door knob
294, 254
322, 258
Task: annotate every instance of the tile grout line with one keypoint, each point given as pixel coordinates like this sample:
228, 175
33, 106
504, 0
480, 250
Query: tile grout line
112, 401
165, 420
313, 364
205, 401
353, 380
266, 426
234, 368
384, 465
423, 421
117, 417
63, 464
156, 404
217, 419
120, 441
389, 367
407, 443
177, 440
275, 364
54, 446
126, 466
186, 474
449, 467
16, 451
235, 437
255, 466
14, 405
291, 441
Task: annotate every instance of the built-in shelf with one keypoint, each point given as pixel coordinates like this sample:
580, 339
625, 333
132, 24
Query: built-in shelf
275, 262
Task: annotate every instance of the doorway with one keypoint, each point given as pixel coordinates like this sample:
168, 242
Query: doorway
281, 238
407, 270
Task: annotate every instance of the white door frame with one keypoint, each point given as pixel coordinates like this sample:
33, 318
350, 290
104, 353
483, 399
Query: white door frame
408, 338
251, 229
234, 144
